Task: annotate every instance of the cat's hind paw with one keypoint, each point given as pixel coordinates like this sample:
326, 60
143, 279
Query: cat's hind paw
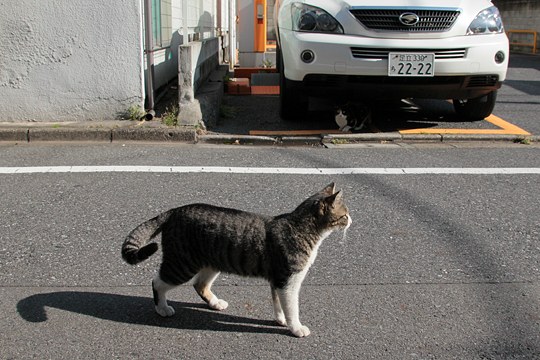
165, 311
218, 304
301, 331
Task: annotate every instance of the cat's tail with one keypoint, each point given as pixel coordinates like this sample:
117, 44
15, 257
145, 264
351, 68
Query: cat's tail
136, 248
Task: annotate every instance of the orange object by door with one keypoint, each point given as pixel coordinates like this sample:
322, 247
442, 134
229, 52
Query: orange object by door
260, 26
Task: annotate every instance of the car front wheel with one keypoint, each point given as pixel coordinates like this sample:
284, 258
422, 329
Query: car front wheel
476, 109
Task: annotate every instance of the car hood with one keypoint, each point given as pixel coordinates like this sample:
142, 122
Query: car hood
468, 6
417, 3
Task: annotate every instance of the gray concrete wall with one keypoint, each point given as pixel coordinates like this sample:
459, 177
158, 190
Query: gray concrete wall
66, 60
521, 15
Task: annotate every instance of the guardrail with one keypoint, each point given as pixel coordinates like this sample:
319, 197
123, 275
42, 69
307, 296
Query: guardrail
532, 44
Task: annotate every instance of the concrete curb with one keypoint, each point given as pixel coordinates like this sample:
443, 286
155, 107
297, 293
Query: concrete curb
486, 137
104, 133
154, 135
300, 140
236, 140
397, 137
160, 133
74, 134
17, 135
379, 137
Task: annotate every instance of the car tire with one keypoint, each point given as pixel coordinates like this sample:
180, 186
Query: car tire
476, 109
292, 105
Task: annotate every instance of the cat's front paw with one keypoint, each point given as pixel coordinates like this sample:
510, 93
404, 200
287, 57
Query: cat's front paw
165, 311
301, 331
218, 304
281, 320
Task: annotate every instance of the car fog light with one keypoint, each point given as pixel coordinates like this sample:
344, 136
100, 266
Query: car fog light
307, 56
499, 57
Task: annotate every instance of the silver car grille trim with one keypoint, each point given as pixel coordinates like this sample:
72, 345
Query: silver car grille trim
382, 54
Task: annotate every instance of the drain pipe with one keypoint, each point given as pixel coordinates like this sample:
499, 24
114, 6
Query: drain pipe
149, 50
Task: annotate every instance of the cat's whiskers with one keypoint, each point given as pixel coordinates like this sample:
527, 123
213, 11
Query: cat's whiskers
349, 222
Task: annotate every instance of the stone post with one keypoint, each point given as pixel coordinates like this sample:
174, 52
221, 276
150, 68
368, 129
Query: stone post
189, 113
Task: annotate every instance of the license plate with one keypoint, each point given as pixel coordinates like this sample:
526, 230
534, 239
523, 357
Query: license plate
411, 64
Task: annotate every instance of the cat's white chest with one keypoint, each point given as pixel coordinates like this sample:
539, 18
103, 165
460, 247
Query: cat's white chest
315, 250
341, 121
296, 279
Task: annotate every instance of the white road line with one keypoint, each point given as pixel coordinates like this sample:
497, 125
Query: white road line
270, 170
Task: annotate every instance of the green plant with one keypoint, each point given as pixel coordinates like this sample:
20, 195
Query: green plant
170, 117
337, 141
523, 141
135, 112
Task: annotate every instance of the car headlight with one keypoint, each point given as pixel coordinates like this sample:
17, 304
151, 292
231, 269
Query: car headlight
314, 19
488, 21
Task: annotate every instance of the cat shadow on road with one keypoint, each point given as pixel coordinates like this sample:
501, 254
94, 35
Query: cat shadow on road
138, 310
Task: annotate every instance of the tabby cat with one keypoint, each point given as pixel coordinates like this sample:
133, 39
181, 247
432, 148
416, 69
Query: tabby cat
199, 240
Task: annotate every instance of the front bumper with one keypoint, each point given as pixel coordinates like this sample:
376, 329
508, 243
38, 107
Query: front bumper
335, 67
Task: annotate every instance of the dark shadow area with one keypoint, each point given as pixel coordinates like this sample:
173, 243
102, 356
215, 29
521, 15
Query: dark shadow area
526, 61
167, 100
165, 75
530, 87
140, 311
519, 102
415, 114
242, 113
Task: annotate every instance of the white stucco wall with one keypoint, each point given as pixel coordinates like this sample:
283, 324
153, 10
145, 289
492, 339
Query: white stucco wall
69, 60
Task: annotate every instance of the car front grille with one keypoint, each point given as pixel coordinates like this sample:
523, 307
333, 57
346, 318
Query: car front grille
429, 20
382, 54
326, 80
482, 81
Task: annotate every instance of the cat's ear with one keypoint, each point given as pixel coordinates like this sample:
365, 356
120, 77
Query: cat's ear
332, 199
329, 189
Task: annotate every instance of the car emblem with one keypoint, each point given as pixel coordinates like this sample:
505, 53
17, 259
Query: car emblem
409, 19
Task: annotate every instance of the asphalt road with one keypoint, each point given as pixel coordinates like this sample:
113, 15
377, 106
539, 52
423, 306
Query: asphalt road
435, 266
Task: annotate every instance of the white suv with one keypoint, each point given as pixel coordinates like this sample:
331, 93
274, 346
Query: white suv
365, 49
